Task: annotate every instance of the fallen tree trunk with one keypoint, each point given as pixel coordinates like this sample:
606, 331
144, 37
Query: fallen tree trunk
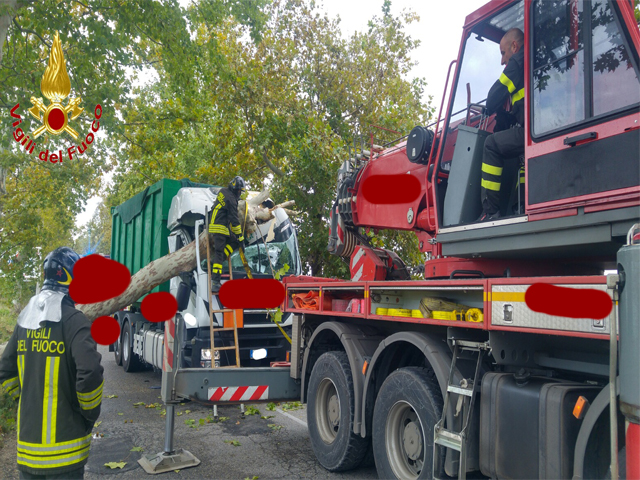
149, 277
183, 260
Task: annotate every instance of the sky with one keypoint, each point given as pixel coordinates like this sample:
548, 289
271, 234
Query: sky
439, 32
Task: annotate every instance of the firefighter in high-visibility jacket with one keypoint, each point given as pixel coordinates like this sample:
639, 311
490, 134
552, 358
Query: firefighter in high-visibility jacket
507, 141
225, 227
51, 364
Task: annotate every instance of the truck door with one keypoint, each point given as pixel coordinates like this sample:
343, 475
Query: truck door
583, 95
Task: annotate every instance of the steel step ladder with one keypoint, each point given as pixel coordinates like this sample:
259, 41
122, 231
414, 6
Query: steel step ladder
466, 390
213, 330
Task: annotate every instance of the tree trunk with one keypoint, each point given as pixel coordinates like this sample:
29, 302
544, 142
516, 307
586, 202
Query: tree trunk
146, 279
7, 11
173, 264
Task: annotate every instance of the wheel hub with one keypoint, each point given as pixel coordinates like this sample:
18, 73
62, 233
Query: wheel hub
412, 441
334, 411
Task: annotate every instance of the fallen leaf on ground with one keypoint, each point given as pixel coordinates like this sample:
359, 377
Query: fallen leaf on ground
136, 449
235, 443
97, 424
138, 404
114, 465
273, 426
121, 414
265, 417
111, 396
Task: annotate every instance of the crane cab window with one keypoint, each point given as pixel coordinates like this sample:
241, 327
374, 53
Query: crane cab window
581, 67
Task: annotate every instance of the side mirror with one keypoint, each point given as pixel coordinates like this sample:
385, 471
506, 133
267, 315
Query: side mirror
184, 292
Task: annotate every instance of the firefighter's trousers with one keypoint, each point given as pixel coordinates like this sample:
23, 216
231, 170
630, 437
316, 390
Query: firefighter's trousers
224, 246
506, 145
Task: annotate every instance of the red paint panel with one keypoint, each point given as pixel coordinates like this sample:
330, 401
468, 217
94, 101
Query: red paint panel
97, 279
568, 302
259, 392
633, 445
217, 395
257, 293
391, 189
105, 330
159, 307
238, 394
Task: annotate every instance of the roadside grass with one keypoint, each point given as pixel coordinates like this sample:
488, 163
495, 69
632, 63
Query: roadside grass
7, 322
8, 406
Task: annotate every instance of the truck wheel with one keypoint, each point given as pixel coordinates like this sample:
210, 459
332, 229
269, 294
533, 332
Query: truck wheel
408, 406
130, 361
330, 414
117, 347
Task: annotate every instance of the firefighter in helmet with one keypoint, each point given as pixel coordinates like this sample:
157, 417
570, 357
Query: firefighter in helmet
507, 141
225, 226
51, 364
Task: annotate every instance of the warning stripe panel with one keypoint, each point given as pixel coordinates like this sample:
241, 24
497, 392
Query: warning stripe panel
238, 394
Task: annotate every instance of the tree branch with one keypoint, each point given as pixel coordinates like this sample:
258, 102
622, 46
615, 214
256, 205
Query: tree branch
271, 166
26, 30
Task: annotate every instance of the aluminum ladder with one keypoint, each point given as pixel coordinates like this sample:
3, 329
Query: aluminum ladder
468, 387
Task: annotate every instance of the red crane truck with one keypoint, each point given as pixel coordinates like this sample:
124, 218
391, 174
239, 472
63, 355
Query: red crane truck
456, 373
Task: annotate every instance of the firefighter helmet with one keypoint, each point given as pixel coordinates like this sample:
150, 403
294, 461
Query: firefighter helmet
58, 269
237, 185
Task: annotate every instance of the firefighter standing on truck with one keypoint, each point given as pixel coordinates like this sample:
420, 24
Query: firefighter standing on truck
51, 363
507, 140
225, 226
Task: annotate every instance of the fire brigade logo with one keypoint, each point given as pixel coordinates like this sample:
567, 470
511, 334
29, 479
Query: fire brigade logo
56, 87
55, 117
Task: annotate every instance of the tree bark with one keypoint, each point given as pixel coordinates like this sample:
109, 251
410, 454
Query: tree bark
7, 11
149, 277
173, 264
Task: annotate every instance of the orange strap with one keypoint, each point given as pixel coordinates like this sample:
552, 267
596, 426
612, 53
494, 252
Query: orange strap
308, 301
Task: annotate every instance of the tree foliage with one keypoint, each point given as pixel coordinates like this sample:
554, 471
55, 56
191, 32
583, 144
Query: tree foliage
280, 110
106, 44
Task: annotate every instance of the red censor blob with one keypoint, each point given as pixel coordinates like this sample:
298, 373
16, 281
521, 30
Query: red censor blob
568, 302
391, 189
56, 118
97, 279
256, 293
105, 330
159, 307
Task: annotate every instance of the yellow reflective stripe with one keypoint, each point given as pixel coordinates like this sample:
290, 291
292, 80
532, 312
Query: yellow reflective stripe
490, 169
91, 395
91, 405
50, 400
519, 95
55, 461
20, 375
236, 229
68, 445
491, 185
506, 81
508, 297
218, 229
11, 383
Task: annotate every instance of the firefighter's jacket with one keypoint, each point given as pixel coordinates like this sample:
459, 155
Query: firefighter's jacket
225, 214
55, 372
509, 85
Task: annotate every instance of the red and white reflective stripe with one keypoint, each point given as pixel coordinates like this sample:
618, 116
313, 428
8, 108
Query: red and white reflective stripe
169, 334
239, 394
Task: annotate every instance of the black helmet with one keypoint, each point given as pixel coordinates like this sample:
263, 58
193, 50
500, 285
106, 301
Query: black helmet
237, 185
58, 269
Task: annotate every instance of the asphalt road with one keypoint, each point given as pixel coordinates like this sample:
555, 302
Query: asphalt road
276, 447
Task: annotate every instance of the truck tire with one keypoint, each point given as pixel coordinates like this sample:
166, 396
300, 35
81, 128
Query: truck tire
408, 406
330, 414
117, 348
130, 361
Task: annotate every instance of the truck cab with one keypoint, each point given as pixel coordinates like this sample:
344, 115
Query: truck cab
275, 242
579, 182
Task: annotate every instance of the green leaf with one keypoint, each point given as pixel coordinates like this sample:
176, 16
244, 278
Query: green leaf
97, 424
273, 426
120, 413
292, 406
251, 411
266, 417
271, 406
139, 404
235, 443
137, 449
114, 465
111, 396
